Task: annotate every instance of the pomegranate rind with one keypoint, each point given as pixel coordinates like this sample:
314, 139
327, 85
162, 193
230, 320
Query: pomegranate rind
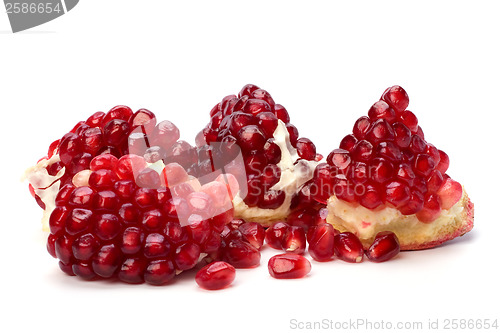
418, 236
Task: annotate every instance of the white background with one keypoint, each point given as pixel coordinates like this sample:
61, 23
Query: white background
327, 62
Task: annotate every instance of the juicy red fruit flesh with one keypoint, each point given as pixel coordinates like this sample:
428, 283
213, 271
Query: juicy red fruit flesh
348, 247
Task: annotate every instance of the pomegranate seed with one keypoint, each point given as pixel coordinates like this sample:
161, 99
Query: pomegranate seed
402, 135
241, 254
348, 247
384, 247
444, 162
381, 110
214, 276
414, 204
263, 95
281, 113
254, 233
251, 138
293, 134
159, 272
435, 181
397, 98
107, 226
106, 261
449, 193
339, 158
148, 178
348, 142
247, 90
132, 270
182, 153
288, 266
379, 131
294, 240
82, 197
58, 219
132, 240
272, 199
104, 161
363, 151
238, 120
405, 173
272, 152
92, 140
306, 149
70, 147
410, 120
255, 106
371, 197
130, 165
267, 122
423, 165
116, 132
84, 247
102, 179
118, 112
275, 233
431, 209
78, 221
186, 256
380, 170
417, 144
156, 245
144, 118
321, 239
95, 120
83, 270
361, 127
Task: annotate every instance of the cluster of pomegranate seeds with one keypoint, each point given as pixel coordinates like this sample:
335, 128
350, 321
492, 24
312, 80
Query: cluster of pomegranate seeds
249, 121
386, 161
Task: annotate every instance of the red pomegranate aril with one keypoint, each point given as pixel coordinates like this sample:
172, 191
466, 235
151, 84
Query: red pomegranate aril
339, 158
255, 162
106, 261
348, 142
198, 229
138, 142
116, 132
402, 135
153, 220
118, 112
444, 162
254, 233
132, 240
397, 98
267, 122
102, 179
58, 219
263, 95
431, 209
371, 197
83, 270
251, 138
433, 152
361, 127
272, 152
381, 110
348, 247
175, 233
125, 189
272, 199
182, 153
78, 221
390, 151
255, 106
294, 240
247, 90
227, 104
148, 178
128, 166
107, 226
165, 134
321, 239
281, 113
379, 131
145, 118
216, 275
95, 120
385, 246
423, 165
344, 189
449, 193
156, 245
51, 245
82, 197
84, 247
64, 195
186, 256
145, 197
363, 151
79, 163
397, 193
241, 254
132, 270
92, 140
69, 147
238, 120
159, 272
238, 106
306, 149
410, 120
417, 144
380, 170
54, 168
293, 134
275, 233
213, 243
63, 248
271, 175
405, 172
358, 172
104, 161
288, 266
435, 181
414, 205
66, 268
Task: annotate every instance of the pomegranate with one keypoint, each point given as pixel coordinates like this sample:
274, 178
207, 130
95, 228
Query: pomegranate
288, 266
216, 275
384, 247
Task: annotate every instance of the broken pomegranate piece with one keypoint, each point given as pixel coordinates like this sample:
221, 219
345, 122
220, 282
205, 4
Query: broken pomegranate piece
387, 177
276, 160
